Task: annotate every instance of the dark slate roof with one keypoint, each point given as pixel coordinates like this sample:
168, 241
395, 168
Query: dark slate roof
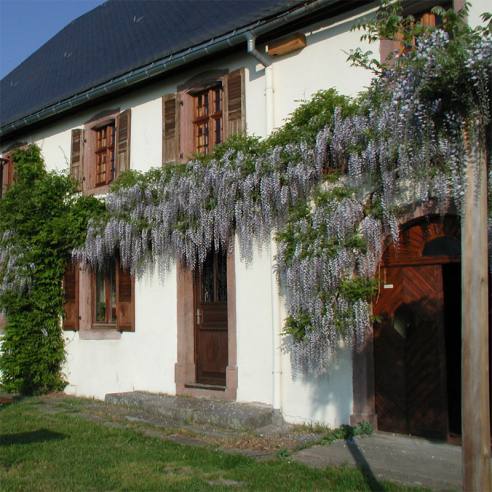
117, 37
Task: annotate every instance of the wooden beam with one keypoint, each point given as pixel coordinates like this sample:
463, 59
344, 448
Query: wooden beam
475, 357
286, 45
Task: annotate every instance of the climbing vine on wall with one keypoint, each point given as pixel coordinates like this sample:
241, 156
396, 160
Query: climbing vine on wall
41, 221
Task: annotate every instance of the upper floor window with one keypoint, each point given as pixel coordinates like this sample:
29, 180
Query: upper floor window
205, 111
104, 158
100, 151
208, 123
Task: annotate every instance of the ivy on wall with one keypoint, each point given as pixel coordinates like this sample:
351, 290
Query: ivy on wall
331, 184
41, 221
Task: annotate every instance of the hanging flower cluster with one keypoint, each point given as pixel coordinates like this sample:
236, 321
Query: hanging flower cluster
15, 271
188, 210
328, 254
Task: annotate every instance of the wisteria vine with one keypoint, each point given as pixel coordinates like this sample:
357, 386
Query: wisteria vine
405, 145
331, 202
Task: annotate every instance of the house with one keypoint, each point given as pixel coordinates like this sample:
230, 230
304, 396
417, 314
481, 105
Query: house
135, 85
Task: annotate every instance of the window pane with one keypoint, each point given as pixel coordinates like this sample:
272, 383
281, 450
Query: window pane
218, 131
221, 277
201, 130
112, 296
105, 307
208, 279
217, 99
100, 297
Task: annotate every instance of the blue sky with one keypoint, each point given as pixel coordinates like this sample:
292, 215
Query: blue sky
25, 25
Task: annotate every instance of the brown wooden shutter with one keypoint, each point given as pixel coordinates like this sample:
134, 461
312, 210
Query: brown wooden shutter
428, 19
71, 291
125, 300
397, 46
236, 114
171, 128
123, 129
7, 174
76, 157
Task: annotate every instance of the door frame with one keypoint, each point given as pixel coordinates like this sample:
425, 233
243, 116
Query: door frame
185, 367
363, 366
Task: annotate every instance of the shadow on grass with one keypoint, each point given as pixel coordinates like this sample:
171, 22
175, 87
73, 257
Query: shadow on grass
40, 435
363, 466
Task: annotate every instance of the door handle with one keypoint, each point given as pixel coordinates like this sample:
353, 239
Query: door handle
198, 316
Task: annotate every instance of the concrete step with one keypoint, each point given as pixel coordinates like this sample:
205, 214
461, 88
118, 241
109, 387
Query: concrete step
233, 415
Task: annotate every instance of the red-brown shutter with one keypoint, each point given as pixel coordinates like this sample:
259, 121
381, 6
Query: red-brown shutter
123, 129
396, 47
170, 128
77, 149
236, 114
389, 48
71, 292
428, 19
125, 300
7, 174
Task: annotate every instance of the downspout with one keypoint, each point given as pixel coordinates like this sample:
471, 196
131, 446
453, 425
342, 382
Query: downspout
269, 91
275, 291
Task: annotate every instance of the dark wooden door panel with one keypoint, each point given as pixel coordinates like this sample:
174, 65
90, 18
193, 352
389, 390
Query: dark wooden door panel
211, 337
389, 352
409, 351
425, 352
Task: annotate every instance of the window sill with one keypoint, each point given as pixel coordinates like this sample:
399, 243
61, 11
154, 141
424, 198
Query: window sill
100, 332
97, 190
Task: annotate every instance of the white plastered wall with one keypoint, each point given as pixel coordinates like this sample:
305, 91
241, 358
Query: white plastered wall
145, 359
477, 8
135, 361
322, 64
254, 326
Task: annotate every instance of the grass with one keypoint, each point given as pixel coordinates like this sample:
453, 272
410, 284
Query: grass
45, 450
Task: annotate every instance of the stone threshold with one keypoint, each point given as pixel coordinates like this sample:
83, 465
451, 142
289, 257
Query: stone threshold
186, 409
213, 387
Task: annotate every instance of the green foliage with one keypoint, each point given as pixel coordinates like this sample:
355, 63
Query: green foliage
42, 217
297, 326
312, 116
303, 126
450, 83
390, 22
314, 240
130, 178
359, 288
347, 432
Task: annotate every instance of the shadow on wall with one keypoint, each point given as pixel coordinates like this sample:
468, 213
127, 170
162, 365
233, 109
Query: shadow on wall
325, 398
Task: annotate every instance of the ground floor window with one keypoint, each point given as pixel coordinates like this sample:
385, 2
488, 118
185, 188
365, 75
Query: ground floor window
103, 298
113, 297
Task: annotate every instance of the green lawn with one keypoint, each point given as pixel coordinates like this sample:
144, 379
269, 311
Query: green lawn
60, 451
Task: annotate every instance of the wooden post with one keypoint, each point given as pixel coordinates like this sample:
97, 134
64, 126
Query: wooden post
475, 358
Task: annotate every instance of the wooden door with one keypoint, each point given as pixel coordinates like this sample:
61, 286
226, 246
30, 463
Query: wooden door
211, 340
410, 352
